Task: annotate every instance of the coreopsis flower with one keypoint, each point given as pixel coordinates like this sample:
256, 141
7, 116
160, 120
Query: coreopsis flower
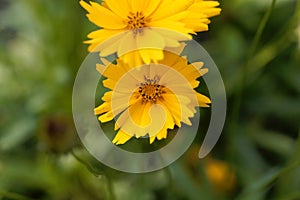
220, 174
152, 24
149, 100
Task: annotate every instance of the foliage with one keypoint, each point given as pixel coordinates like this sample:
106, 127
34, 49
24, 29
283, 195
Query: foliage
257, 49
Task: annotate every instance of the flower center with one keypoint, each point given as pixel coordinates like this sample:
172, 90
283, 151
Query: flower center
150, 90
136, 21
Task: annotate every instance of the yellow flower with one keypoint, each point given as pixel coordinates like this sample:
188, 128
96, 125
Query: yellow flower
150, 99
155, 24
220, 174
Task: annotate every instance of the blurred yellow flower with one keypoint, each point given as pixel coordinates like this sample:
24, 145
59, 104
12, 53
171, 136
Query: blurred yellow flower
154, 24
220, 174
150, 99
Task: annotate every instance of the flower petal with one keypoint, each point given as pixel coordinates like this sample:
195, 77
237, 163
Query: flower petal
105, 107
154, 42
151, 6
172, 25
121, 138
139, 113
119, 7
128, 43
99, 15
170, 7
203, 101
145, 6
110, 45
206, 7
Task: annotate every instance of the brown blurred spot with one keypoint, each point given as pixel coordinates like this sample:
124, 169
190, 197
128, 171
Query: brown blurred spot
57, 134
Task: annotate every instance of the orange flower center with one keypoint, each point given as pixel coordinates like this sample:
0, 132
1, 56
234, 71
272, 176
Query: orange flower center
150, 90
136, 21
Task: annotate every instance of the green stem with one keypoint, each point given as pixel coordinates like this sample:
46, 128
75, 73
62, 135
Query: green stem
110, 188
96, 173
86, 164
261, 185
170, 178
260, 30
253, 47
269, 52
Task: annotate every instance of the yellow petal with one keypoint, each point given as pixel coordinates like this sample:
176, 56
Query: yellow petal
195, 25
99, 15
162, 134
110, 45
171, 56
105, 107
113, 72
139, 113
107, 96
150, 39
174, 51
172, 25
136, 6
109, 83
172, 35
178, 16
198, 65
132, 59
203, 101
152, 139
106, 117
154, 42
177, 106
168, 124
207, 8
120, 102
128, 43
99, 36
121, 138
151, 6
151, 55
174, 108
169, 8
119, 7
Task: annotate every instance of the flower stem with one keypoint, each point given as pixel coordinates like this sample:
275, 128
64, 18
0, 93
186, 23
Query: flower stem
89, 167
110, 188
239, 94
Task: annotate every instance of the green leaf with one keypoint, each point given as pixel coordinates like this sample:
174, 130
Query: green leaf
17, 133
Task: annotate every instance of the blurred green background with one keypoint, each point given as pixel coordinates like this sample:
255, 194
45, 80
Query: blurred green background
256, 46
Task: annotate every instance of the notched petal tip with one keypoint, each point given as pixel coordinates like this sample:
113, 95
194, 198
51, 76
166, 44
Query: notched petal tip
151, 139
198, 65
85, 5
121, 138
203, 71
100, 68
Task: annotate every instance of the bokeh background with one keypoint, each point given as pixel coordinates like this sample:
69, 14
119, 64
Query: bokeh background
255, 44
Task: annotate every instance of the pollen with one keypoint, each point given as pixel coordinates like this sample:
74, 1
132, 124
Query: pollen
150, 90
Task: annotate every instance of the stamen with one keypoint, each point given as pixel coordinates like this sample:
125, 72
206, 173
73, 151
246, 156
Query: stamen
150, 90
136, 21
